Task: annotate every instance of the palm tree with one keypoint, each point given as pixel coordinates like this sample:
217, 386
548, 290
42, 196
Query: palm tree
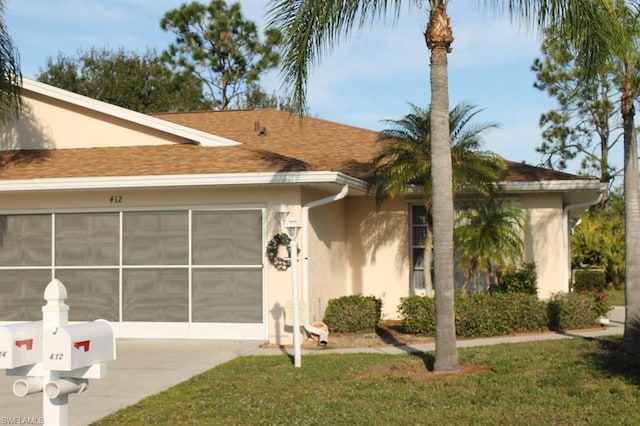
488, 237
405, 159
311, 27
605, 34
622, 19
10, 75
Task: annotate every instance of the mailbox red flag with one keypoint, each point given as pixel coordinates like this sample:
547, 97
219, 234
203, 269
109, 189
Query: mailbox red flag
84, 344
26, 342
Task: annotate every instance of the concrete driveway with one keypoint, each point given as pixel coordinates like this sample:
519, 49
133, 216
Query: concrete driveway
142, 368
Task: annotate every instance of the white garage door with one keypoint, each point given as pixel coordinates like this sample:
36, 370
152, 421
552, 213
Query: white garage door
161, 273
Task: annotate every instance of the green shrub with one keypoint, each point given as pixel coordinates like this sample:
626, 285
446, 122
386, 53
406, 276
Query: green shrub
478, 315
589, 280
498, 314
522, 280
523, 312
572, 310
355, 313
418, 315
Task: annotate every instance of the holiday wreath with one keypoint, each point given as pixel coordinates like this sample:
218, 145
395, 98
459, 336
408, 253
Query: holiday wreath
281, 264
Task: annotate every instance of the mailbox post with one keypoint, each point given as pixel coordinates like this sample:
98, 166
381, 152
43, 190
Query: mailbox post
55, 314
57, 358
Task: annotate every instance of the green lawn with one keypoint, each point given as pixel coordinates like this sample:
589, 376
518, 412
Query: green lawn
616, 297
568, 382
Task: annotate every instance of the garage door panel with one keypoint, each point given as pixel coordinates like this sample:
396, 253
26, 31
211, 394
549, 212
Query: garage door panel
227, 237
25, 240
93, 293
22, 294
156, 238
87, 239
158, 295
230, 296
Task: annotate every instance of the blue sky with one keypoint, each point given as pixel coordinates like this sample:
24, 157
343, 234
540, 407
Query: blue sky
370, 77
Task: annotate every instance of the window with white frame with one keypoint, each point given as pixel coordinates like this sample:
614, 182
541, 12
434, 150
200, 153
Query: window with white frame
418, 237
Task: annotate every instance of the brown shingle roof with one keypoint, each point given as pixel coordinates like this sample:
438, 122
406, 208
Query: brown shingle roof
317, 144
519, 172
272, 141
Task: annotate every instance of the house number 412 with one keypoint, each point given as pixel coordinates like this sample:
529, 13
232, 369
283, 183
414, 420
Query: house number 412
115, 199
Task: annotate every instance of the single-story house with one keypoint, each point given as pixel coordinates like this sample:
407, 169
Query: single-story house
160, 223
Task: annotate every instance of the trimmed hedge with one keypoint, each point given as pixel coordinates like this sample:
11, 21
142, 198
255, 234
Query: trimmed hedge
589, 280
355, 313
572, 311
484, 315
418, 315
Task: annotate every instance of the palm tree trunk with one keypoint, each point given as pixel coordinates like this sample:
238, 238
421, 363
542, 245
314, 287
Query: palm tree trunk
631, 336
438, 37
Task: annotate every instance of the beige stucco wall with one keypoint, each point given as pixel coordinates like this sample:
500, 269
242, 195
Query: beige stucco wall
327, 262
379, 251
544, 240
61, 125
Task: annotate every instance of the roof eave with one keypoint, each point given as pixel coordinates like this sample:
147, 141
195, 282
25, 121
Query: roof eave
177, 181
553, 186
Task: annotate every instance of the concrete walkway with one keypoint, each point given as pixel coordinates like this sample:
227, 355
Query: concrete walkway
146, 367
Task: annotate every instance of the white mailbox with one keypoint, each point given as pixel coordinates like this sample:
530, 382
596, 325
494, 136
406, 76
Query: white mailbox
20, 344
79, 345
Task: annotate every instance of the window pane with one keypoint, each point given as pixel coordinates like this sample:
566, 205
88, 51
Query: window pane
87, 239
93, 294
159, 295
417, 279
156, 238
233, 296
418, 215
25, 240
419, 235
227, 237
418, 258
22, 294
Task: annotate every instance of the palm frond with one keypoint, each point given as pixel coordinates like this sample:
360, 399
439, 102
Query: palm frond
312, 28
10, 75
405, 156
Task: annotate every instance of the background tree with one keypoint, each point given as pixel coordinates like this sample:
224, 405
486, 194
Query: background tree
489, 238
140, 82
586, 125
597, 241
10, 74
256, 97
405, 159
223, 50
602, 33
